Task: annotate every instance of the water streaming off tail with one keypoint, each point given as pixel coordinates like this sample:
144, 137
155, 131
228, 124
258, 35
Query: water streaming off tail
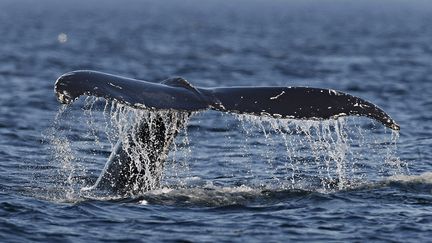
84, 135
269, 153
329, 154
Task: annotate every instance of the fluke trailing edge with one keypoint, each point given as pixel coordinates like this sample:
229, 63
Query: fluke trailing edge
178, 94
124, 173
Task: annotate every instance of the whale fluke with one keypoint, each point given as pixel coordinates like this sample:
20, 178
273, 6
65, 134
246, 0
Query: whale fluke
296, 103
124, 175
178, 94
136, 93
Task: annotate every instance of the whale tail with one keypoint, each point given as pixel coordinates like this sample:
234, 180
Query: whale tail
178, 94
297, 103
124, 175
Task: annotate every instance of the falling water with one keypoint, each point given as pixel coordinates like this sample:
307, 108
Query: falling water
109, 122
329, 154
318, 155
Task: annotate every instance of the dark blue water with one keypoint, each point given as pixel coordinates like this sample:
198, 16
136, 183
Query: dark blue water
229, 178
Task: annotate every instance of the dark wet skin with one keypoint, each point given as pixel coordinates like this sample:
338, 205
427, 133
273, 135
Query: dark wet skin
178, 94
121, 176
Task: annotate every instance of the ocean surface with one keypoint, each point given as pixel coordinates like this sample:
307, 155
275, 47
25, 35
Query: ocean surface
228, 178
